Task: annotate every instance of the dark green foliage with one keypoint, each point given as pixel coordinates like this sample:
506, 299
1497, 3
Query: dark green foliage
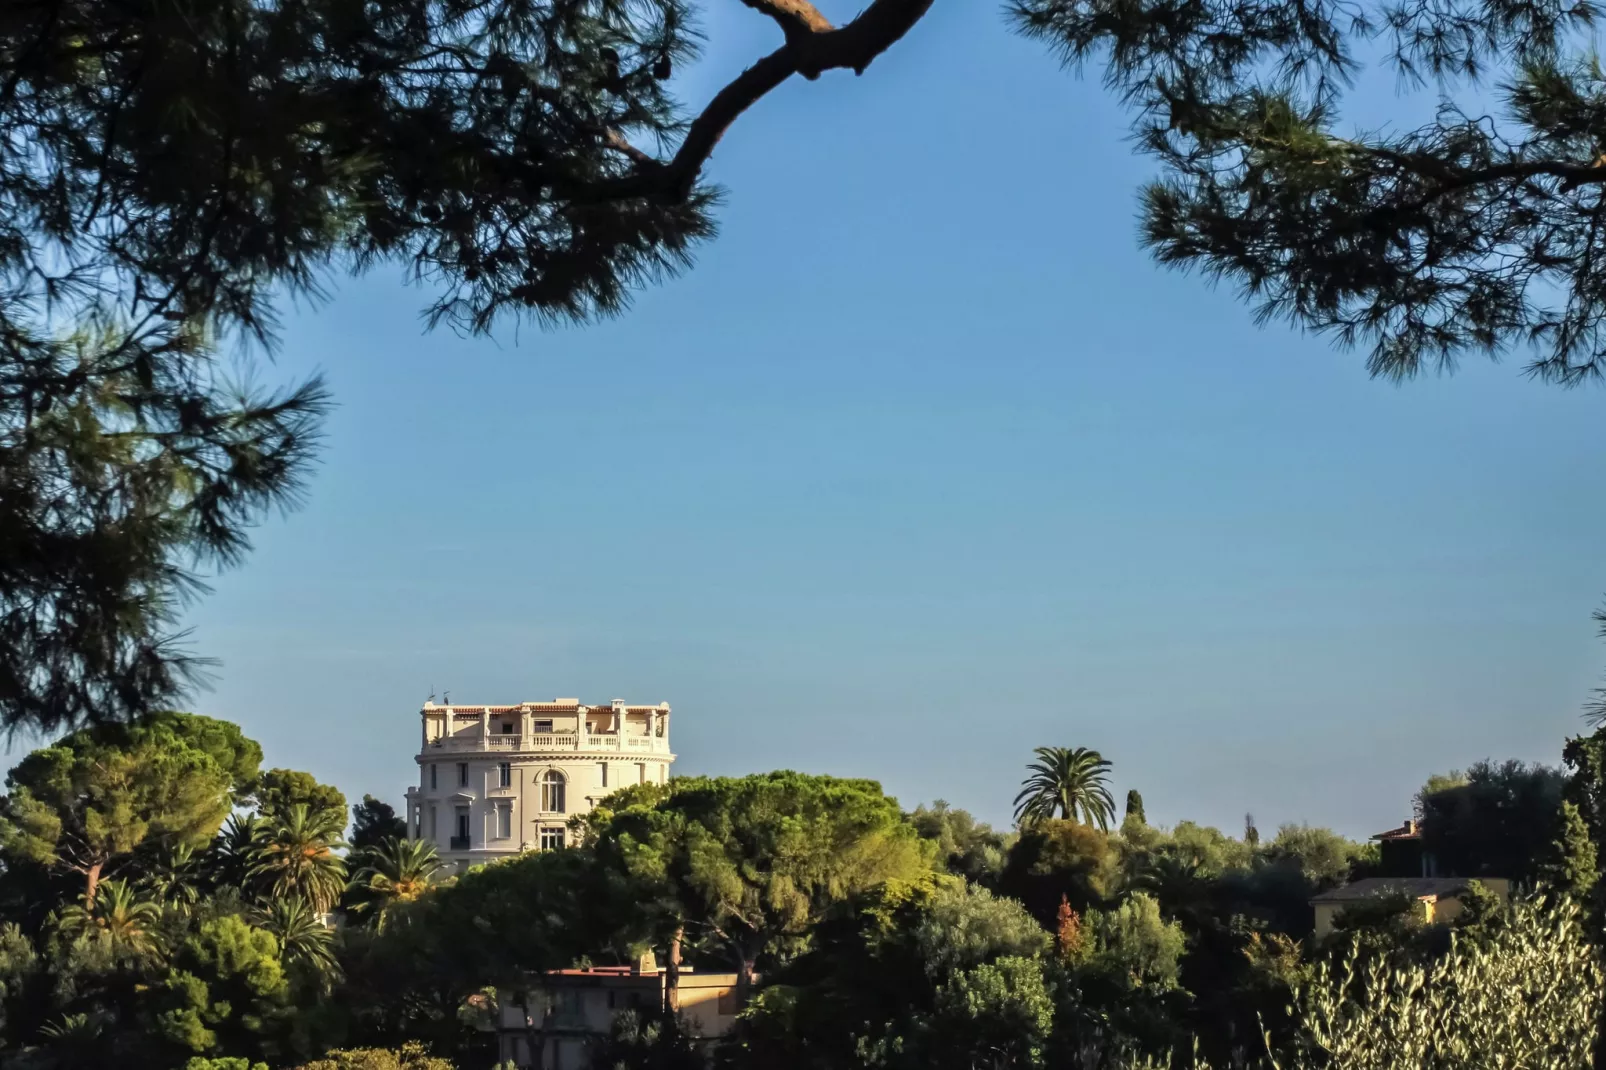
969, 848
922, 974
227, 992
1574, 865
490, 926
1134, 807
1061, 859
1476, 232
645, 1041
373, 822
278, 791
125, 460
751, 864
1493, 820
1323, 857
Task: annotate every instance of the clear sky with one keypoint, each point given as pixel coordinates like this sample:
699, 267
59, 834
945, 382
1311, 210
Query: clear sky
923, 465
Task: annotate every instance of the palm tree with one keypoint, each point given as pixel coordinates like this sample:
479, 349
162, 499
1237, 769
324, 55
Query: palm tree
1178, 881
175, 878
1069, 783
398, 871
118, 917
304, 939
296, 856
233, 851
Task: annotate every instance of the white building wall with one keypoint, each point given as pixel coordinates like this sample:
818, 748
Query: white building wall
534, 740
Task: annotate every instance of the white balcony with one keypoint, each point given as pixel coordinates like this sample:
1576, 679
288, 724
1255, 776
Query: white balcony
545, 742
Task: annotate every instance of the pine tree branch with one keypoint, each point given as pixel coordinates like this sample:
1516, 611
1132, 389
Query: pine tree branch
852, 47
794, 16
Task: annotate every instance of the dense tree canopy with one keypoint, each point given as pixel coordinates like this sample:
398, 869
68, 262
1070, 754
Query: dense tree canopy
91, 799
751, 863
1477, 231
1494, 820
280, 790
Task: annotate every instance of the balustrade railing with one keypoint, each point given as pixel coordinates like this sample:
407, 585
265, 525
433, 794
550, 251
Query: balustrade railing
545, 741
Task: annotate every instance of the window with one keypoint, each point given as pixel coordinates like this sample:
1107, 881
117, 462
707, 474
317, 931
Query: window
504, 775
461, 840
462, 774
612, 999
504, 822
542, 726
507, 728
602, 774
641, 772
552, 838
552, 792
433, 779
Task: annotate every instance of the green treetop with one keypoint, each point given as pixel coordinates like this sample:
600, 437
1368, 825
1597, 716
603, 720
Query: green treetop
753, 862
373, 822
89, 800
280, 790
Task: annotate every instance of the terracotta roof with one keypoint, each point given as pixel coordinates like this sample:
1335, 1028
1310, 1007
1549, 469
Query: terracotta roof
1408, 831
1381, 887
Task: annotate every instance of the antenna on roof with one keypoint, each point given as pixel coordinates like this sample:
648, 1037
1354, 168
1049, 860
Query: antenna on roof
446, 698
431, 693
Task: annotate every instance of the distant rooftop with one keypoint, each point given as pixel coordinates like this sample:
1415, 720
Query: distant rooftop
557, 705
1408, 831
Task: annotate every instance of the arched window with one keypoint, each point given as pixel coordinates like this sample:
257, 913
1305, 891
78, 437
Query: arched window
552, 792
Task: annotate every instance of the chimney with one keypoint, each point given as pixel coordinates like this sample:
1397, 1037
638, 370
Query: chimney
646, 962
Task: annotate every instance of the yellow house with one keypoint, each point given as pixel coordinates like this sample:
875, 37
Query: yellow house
1436, 898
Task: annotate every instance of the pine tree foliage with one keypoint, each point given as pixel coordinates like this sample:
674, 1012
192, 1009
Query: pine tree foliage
126, 461
185, 162
167, 170
1476, 233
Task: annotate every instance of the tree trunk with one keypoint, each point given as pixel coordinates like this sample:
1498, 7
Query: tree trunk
91, 884
672, 972
534, 1036
744, 980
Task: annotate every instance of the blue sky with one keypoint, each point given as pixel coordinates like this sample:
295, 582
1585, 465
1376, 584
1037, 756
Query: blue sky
926, 464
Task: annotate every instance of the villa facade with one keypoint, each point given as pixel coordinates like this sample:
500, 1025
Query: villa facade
497, 780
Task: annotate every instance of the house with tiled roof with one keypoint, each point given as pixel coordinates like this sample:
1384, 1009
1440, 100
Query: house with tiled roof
1407, 869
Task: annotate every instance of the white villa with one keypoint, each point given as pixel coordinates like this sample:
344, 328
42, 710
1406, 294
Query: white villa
497, 780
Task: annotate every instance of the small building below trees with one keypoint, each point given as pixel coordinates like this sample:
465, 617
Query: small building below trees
1434, 900
1407, 870
567, 1012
